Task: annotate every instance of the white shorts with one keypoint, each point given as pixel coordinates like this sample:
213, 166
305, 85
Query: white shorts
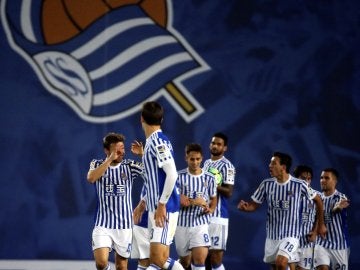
338, 259
187, 238
117, 239
218, 235
305, 257
141, 243
287, 247
163, 235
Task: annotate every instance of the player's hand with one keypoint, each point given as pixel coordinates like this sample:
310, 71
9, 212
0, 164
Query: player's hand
137, 148
242, 205
138, 212
184, 200
198, 201
311, 236
160, 215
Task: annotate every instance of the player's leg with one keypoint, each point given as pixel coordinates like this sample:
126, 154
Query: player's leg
218, 234
122, 239
101, 256
160, 240
101, 245
287, 253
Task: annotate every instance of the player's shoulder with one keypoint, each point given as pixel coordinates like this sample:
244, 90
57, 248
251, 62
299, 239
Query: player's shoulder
340, 195
182, 172
96, 161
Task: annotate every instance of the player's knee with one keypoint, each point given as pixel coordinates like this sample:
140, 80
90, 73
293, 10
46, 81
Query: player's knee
281, 262
102, 265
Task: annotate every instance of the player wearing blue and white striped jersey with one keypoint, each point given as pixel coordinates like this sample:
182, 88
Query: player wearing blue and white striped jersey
113, 179
224, 172
283, 194
198, 201
332, 252
162, 196
308, 225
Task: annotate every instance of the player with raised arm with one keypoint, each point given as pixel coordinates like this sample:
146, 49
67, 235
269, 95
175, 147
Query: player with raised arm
113, 179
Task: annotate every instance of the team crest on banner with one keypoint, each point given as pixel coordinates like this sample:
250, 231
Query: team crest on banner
105, 58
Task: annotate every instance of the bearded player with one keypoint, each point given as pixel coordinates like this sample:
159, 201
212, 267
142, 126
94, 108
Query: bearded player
224, 172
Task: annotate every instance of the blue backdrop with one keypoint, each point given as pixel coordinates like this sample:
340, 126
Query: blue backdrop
273, 75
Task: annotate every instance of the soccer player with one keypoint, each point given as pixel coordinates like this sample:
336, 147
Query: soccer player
113, 178
283, 194
224, 172
162, 196
198, 201
332, 252
308, 225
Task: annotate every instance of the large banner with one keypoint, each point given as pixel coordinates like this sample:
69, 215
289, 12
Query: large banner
272, 75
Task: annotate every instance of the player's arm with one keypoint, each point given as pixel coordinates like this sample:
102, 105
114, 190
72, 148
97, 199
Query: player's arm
247, 206
340, 205
321, 228
139, 210
170, 180
95, 173
209, 209
225, 189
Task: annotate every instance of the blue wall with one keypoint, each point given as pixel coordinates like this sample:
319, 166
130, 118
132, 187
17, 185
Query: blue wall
281, 75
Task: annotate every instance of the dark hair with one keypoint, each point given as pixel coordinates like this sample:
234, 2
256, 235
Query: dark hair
333, 171
285, 159
221, 136
112, 137
302, 168
193, 147
152, 113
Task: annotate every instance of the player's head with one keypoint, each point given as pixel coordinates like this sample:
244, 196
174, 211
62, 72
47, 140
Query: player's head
284, 160
303, 172
193, 156
114, 142
328, 179
218, 145
152, 113
112, 138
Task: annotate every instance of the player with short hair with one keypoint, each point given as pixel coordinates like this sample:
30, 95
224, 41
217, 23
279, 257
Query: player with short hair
224, 172
333, 251
198, 201
308, 222
113, 178
283, 194
162, 196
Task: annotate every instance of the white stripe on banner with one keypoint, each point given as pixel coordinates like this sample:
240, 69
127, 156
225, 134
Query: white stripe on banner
108, 34
129, 86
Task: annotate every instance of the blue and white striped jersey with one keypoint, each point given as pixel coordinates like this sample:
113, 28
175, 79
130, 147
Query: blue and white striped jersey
194, 186
283, 200
113, 190
157, 152
227, 170
308, 215
337, 236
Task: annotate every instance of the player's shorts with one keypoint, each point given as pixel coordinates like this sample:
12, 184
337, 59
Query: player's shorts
141, 243
117, 239
163, 235
306, 256
218, 231
187, 238
287, 247
338, 259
